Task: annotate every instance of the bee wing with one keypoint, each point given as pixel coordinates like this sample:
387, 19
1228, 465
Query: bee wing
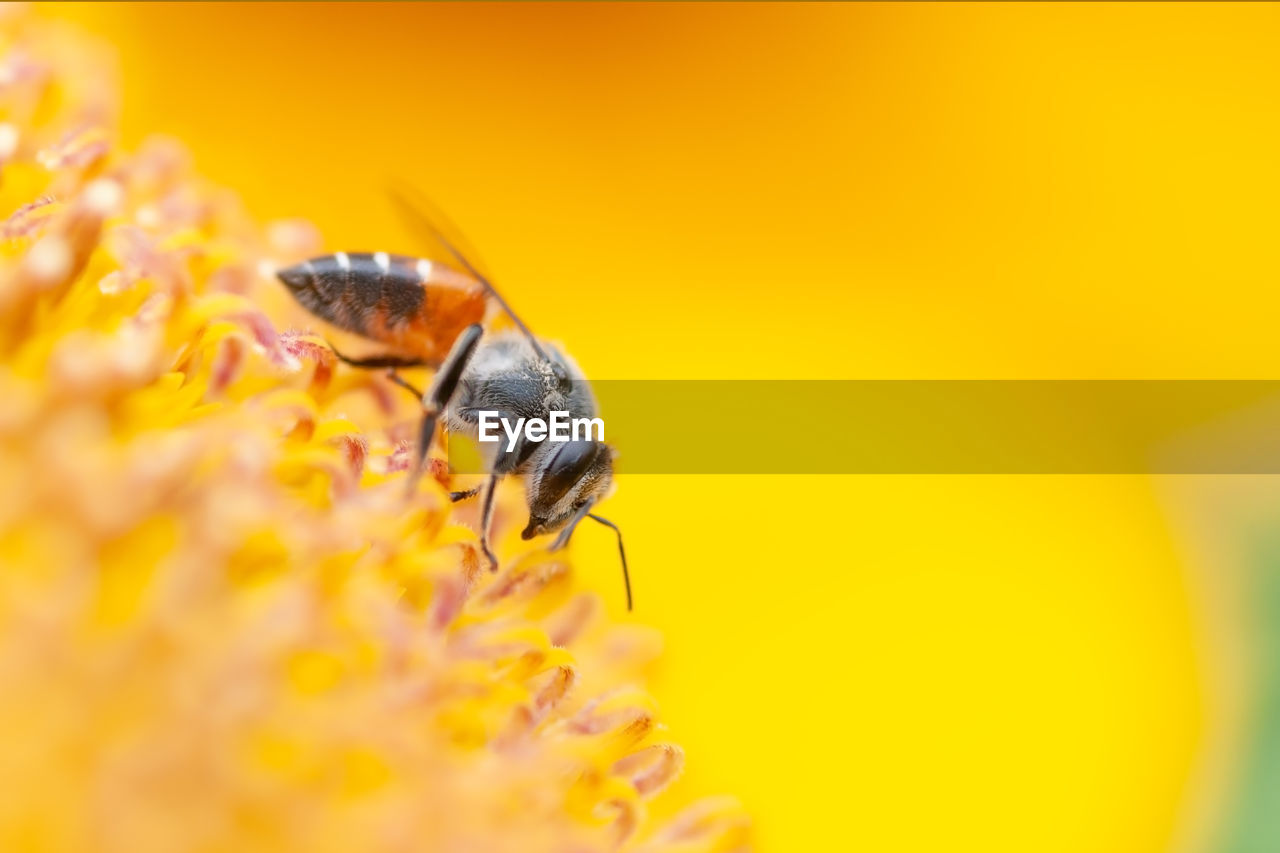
448, 244
442, 240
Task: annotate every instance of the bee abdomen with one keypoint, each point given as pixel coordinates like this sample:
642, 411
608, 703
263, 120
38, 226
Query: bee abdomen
352, 289
415, 307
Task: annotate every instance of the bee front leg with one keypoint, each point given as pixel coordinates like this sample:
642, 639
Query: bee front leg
443, 386
486, 516
503, 464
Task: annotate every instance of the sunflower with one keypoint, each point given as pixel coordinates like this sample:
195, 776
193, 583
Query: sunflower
222, 625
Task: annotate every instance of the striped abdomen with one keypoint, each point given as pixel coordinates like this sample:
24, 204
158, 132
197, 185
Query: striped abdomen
416, 307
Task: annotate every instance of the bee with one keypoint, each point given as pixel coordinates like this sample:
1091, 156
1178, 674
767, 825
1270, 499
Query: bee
431, 313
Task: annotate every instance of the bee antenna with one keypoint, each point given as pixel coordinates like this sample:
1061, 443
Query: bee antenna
622, 552
414, 206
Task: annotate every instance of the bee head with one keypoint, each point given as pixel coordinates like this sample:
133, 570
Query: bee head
565, 477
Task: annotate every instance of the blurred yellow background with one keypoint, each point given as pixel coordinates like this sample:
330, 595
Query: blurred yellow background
826, 191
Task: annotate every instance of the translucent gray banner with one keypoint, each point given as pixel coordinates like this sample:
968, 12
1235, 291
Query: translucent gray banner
931, 427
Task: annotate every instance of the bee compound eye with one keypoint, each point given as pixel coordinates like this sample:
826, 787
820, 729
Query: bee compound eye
566, 467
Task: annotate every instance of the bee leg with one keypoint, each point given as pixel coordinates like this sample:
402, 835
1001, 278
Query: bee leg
443, 385
390, 362
380, 361
486, 516
462, 496
403, 383
505, 462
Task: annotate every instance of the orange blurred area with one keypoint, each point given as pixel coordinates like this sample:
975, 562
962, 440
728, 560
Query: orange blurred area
825, 191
